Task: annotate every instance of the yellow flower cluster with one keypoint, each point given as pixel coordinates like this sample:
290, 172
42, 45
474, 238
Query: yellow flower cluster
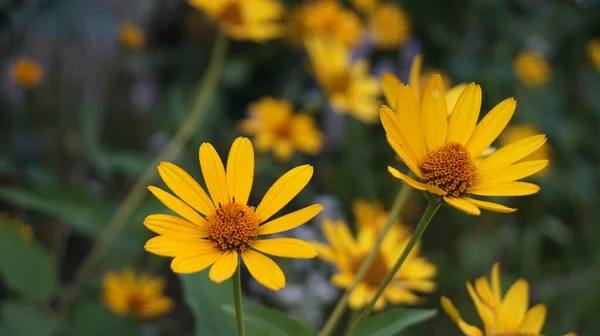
532, 69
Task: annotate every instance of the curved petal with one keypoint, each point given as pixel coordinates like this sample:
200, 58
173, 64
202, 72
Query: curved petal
491, 126
404, 156
391, 86
359, 297
452, 96
451, 311
414, 79
395, 135
214, 174
463, 205
325, 252
342, 280
534, 319
291, 220
435, 113
490, 206
169, 246
240, 170
485, 313
398, 295
495, 280
509, 154
464, 115
407, 179
283, 190
483, 290
515, 304
224, 267
411, 122
192, 263
173, 225
515, 172
264, 269
505, 189
178, 206
185, 187
286, 247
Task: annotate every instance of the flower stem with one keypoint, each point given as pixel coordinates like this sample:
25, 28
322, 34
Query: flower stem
432, 208
187, 129
338, 311
237, 293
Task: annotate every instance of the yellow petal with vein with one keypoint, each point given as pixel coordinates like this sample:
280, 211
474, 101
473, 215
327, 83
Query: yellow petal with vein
173, 225
185, 187
264, 269
491, 206
178, 206
435, 113
240, 170
224, 267
509, 154
505, 189
214, 174
534, 319
515, 172
515, 304
291, 220
451, 311
491, 126
286, 247
452, 96
464, 116
407, 179
169, 246
283, 191
192, 263
414, 79
463, 205
391, 87
405, 157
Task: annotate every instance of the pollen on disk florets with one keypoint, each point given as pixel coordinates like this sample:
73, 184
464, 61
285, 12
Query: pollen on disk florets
450, 168
233, 226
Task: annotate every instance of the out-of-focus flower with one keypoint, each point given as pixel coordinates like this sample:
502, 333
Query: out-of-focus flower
347, 253
24, 230
593, 52
349, 86
26, 73
256, 20
389, 26
440, 150
507, 315
217, 230
132, 36
141, 296
532, 69
275, 127
518, 132
372, 214
365, 6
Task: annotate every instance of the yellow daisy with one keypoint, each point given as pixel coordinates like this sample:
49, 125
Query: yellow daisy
389, 26
347, 253
502, 316
26, 73
440, 149
349, 86
532, 69
141, 296
132, 36
217, 230
275, 127
256, 20
372, 214
593, 51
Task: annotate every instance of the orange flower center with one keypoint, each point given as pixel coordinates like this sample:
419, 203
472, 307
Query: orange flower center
450, 168
233, 226
135, 304
339, 84
231, 15
376, 273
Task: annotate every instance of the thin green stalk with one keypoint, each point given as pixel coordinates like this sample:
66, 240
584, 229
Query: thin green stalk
338, 311
237, 294
432, 208
209, 84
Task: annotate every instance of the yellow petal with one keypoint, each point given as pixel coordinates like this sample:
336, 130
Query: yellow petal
394, 132
192, 263
169, 246
505, 189
414, 79
491, 126
399, 295
283, 190
435, 112
173, 225
487, 315
495, 280
515, 303
451, 311
324, 252
214, 174
484, 291
224, 267
359, 297
342, 280
405, 157
509, 154
240, 170
463, 205
515, 172
420, 285
291, 220
534, 319
452, 96
490, 206
264, 270
464, 116
407, 179
185, 187
391, 87
286, 247
177, 206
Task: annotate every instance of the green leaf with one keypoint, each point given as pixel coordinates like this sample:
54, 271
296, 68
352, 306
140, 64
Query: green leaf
25, 266
91, 318
391, 322
271, 321
21, 318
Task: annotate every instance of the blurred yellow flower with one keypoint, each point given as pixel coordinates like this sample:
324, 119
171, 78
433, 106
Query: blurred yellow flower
389, 25
593, 51
372, 214
275, 127
507, 315
349, 86
132, 36
440, 150
515, 133
141, 296
532, 69
256, 20
365, 6
24, 230
347, 253
217, 230
26, 73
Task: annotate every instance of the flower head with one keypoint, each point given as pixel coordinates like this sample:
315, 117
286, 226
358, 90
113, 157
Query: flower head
256, 20
507, 315
141, 296
26, 73
217, 230
593, 52
441, 149
532, 69
389, 25
276, 127
131, 36
347, 253
348, 86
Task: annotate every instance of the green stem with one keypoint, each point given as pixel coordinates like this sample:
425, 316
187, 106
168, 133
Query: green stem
209, 84
432, 208
338, 310
237, 294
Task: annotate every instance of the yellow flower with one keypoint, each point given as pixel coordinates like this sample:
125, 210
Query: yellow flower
593, 51
347, 253
256, 20
217, 230
440, 149
501, 316
372, 214
365, 6
349, 86
532, 69
515, 133
141, 296
275, 127
26, 73
389, 25
24, 230
132, 36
